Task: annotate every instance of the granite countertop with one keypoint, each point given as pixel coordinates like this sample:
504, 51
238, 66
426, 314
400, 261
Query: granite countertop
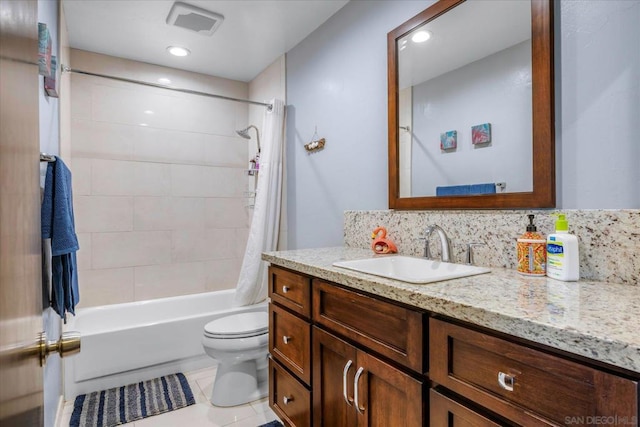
597, 320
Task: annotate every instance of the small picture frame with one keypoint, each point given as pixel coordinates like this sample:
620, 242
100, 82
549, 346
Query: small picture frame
481, 134
449, 140
44, 50
50, 81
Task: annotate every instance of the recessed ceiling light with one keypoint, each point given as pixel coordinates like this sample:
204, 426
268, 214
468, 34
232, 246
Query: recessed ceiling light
178, 51
148, 112
164, 81
421, 36
143, 124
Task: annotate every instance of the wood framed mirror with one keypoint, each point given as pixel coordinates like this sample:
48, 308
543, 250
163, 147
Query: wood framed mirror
489, 68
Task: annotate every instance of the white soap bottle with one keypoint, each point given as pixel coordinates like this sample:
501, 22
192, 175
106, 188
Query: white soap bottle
563, 260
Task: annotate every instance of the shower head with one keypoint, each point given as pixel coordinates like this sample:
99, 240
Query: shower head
245, 134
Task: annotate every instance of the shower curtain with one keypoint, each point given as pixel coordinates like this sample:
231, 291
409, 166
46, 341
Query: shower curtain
263, 233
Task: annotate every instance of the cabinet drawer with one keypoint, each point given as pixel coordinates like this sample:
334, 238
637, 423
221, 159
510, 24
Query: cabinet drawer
291, 290
289, 399
388, 329
512, 380
290, 341
446, 412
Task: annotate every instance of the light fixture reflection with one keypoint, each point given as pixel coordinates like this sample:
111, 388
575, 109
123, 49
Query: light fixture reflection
164, 81
178, 51
421, 36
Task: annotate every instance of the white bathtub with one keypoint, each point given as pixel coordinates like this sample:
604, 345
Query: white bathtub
132, 342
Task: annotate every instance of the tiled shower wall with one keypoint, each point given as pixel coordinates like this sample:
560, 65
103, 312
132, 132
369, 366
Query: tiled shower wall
159, 182
609, 240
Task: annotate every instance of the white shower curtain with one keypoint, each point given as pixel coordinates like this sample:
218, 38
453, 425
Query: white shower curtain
263, 233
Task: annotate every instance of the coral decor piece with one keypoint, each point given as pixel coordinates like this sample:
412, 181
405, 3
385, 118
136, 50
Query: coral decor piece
380, 244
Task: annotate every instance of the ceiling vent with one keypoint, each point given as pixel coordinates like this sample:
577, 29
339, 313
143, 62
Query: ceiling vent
195, 19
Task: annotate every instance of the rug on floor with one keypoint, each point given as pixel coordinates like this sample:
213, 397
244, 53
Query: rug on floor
132, 402
275, 423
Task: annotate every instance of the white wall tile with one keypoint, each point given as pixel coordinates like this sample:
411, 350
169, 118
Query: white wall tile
102, 140
151, 179
202, 245
224, 150
81, 176
165, 146
226, 213
83, 256
124, 178
152, 213
204, 181
111, 178
222, 274
108, 286
187, 213
80, 97
103, 213
127, 249
159, 281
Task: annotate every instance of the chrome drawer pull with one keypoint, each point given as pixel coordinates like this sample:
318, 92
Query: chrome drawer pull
355, 389
286, 400
506, 381
286, 339
285, 289
344, 383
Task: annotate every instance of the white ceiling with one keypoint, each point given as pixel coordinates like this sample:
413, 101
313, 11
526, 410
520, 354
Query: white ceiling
254, 32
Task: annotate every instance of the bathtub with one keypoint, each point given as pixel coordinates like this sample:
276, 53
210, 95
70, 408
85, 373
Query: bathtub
133, 342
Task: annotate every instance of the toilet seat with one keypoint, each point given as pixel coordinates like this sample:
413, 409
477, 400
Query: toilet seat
241, 325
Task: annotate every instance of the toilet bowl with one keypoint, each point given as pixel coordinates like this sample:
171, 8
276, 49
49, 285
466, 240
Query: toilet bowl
239, 343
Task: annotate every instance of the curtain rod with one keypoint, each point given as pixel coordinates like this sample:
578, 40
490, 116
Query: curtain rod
189, 91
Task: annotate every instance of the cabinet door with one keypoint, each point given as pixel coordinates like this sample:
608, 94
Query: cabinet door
383, 395
334, 364
445, 412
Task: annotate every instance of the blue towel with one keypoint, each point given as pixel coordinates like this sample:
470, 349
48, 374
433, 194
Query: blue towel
57, 224
460, 190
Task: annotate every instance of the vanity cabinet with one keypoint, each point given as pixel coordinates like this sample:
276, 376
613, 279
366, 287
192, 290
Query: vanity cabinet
527, 386
341, 357
348, 359
354, 388
290, 346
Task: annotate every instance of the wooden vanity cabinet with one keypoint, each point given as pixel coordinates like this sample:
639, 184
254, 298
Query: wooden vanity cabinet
341, 358
290, 346
525, 385
354, 388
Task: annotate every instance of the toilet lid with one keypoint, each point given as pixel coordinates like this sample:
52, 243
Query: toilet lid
239, 325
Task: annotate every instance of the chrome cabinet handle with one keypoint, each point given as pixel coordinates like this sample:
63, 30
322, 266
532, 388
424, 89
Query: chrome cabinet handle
286, 339
355, 389
286, 400
506, 381
344, 383
285, 289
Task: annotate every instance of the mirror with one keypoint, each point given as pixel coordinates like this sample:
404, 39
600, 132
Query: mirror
471, 106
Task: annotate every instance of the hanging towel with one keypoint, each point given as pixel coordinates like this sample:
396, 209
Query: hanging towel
459, 190
57, 224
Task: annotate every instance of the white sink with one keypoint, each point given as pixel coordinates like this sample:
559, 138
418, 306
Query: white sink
411, 269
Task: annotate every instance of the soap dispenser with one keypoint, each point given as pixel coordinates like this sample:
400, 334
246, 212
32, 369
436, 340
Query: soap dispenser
562, 252
532, 251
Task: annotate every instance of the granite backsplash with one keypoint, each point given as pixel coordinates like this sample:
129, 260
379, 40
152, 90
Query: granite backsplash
609, 240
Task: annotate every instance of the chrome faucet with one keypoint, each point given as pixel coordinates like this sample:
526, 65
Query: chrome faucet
444, 242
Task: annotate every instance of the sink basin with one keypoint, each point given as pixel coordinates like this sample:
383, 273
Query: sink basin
411, 269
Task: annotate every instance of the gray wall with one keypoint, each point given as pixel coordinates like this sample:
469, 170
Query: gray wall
337, 80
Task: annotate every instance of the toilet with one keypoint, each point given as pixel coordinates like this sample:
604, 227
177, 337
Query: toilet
239, 342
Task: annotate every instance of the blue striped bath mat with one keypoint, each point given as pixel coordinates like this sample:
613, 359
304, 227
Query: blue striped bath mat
132, 402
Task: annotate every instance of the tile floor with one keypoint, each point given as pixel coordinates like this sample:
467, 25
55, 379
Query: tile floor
202, 414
